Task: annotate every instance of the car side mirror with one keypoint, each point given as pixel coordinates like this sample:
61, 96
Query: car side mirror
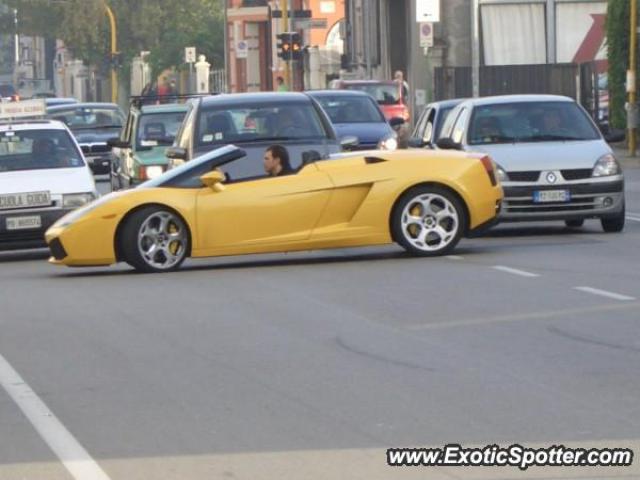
396, 122
615, 136
446, 143
117, 143
349, 142
176, 153
213, 180
416, 142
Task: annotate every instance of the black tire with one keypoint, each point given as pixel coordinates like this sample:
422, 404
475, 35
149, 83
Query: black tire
133, 242
409, 238
614, 224
574, 223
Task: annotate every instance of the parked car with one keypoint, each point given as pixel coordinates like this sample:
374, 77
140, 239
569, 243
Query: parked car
8, 93
256, 121
55, 101
92, 124
356, 114
393, 97
43, 175
139, 153
552, 160
430, 123
425, 201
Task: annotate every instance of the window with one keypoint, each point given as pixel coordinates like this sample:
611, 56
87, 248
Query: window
447, 128
351, 109
458, 129
37, 150
273, 122
158, 129
88, 117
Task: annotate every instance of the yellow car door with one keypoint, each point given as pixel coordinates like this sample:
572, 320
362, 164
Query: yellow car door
269, 211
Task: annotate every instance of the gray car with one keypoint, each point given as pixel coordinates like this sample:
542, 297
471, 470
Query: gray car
552, 160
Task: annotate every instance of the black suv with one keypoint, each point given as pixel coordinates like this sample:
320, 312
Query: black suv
255, 121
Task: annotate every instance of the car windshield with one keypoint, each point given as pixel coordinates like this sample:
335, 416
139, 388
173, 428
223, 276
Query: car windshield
89, 117
529, 122
158, 128
350, 109
37, 150
275, 122
383, 93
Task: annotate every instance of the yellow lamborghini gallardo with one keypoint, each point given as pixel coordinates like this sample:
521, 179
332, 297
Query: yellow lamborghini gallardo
215, 205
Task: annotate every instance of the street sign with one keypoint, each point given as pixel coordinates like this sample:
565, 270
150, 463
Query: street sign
292, 14
426, 34
427, 10
242, 49
190, 55
319, 23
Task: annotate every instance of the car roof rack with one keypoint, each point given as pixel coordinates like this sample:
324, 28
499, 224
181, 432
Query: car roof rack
139, 101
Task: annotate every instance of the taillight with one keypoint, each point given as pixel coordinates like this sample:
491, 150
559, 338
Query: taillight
488, 166
15, 98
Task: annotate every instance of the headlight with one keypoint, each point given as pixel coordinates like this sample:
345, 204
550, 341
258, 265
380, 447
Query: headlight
502, 175
151, 172
75, 200
605, 166
389, 143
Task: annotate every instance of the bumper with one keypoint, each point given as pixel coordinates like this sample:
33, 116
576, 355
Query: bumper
28, 237
100, 165
594, 199
83, 243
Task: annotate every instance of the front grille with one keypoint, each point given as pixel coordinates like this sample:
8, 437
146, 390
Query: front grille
95, 148
57, 250
576, 174
22, 236
527, 176
576, 204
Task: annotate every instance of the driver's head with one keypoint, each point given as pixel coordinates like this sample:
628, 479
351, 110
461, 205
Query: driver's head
276, 159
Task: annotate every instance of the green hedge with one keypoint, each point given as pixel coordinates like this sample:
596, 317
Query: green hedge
618, 54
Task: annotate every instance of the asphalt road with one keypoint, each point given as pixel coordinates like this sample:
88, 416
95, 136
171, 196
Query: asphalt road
311, 365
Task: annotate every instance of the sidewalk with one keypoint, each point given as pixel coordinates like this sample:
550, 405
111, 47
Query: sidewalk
621, 153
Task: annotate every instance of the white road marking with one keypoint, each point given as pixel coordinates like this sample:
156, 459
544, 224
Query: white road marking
454, 257
515, 271
634, 218
604, 293
72, 455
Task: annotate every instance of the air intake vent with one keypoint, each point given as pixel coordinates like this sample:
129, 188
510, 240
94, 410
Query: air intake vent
369, 160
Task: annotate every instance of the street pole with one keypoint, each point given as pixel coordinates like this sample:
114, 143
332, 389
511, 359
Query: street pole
631, 78
226, 48
17, 37
114, 50
475, 49
284, 6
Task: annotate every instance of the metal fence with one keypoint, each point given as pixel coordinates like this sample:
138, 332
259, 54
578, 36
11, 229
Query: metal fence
218, 80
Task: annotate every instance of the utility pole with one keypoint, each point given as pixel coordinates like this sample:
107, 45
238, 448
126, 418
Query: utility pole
632, 107
284, 6
475, 49
17, 37
114, 51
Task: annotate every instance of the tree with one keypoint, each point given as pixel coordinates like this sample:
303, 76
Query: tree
163, 27
618, 55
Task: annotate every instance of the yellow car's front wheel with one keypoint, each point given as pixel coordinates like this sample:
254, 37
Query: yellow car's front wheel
154, 239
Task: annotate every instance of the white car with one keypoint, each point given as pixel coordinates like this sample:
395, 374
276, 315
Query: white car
43, 175
552, 161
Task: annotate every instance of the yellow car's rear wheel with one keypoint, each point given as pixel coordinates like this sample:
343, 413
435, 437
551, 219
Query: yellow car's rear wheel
428, 221
155, 239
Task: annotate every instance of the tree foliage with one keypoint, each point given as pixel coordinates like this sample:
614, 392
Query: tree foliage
618, 55
163, 27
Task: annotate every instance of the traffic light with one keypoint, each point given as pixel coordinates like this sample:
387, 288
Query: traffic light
284, 45
296, 46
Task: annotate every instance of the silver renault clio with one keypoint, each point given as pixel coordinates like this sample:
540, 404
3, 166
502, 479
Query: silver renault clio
552, 160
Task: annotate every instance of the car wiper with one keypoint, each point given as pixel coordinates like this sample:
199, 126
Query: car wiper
94, 127
550, 138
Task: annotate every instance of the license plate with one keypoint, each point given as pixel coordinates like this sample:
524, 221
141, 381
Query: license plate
552, 196
25, 200
24, 223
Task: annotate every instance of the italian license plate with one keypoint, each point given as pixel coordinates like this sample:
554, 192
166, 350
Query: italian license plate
25, 200
24, 223
551, 196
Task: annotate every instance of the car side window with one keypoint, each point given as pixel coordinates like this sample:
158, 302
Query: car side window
427, 135
447, 128
183, 137
458, 129
419, 130
125, 136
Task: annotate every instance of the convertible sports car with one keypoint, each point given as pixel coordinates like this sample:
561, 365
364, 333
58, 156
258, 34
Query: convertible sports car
425, 201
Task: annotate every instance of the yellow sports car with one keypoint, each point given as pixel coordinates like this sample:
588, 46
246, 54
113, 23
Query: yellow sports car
215, 205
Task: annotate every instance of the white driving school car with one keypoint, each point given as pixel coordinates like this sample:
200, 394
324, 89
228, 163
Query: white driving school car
43, 175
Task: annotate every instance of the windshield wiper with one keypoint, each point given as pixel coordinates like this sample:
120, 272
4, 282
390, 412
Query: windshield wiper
550, 138
93, 127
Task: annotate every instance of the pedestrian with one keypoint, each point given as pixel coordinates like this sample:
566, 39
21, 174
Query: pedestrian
173, 91
163, 90
281, 87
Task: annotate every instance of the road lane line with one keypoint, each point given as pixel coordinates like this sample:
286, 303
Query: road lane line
514, 271
72, 455
635, 219
604, 293
454, 257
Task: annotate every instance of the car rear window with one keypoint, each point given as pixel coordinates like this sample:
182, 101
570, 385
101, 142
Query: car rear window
350, 109
525, 122
89, 117
158, 128
38, 150
383, 93
275, 122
